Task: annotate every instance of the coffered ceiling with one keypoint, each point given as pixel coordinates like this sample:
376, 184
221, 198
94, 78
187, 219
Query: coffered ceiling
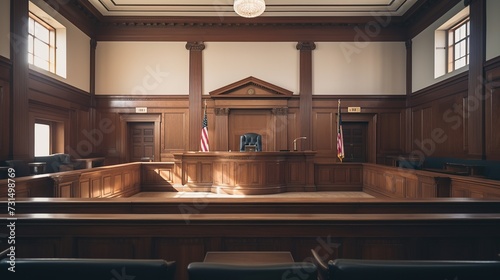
274, 8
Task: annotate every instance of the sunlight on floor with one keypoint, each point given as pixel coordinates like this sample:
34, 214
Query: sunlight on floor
279, 195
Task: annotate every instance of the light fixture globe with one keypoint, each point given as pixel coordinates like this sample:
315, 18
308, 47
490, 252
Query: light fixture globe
249, 8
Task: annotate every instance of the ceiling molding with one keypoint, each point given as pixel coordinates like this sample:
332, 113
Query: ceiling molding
224, 8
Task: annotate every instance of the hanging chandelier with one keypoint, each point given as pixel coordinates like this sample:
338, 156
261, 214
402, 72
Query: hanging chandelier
249, 8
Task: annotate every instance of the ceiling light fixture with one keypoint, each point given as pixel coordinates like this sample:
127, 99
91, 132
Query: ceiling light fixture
249, 8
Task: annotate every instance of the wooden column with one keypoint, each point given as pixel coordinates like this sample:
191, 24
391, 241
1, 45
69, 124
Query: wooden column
475, 97
19, 58
305, 107
195, 92
406, 133
92, 110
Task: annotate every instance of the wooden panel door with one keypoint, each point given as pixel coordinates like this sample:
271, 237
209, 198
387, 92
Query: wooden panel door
354, 141
141, 141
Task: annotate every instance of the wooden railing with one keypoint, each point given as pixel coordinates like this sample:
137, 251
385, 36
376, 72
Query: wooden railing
125, 180
121, 180
394, 182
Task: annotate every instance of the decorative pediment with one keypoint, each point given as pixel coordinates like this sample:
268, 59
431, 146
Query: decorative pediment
251, 87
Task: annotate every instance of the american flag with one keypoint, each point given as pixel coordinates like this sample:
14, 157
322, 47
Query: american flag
204, 132
340, 135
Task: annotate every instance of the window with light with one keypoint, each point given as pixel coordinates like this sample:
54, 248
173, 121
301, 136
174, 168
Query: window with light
41, 44
458, 45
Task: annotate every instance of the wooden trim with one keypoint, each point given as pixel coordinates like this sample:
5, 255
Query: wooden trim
275, 91
55, 89
237, 29
448, 87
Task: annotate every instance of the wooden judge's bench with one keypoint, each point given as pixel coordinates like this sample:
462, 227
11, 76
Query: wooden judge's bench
244, 172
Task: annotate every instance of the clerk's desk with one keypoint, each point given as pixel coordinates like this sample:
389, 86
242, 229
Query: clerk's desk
245, 173
249, 257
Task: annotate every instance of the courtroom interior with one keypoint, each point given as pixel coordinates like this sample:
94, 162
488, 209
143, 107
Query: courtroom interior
328, 129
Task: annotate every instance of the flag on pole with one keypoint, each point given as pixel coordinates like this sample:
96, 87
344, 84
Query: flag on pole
340, 135
204, 132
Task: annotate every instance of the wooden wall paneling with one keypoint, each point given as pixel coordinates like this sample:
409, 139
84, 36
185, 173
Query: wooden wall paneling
280, 116
50, 248
468, 187
30, 186
492, 117
176, 132
260, 121
324, 131
221, 133
66, 184
385, 181
338, 176
384, 249
157, 177
390, 135
105, 247
292, 128
111, 146
85, 188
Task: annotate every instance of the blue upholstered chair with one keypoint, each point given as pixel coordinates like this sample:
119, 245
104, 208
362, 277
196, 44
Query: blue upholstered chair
351, 269
217, 271
85, 269
251, 139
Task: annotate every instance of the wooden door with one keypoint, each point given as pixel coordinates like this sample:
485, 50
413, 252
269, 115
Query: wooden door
141, 141
355, 141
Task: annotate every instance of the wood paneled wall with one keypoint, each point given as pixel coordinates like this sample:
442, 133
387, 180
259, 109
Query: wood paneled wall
384, 115
55, 101
492, 112
438, 119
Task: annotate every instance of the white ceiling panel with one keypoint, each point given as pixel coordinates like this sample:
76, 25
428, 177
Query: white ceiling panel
276, 8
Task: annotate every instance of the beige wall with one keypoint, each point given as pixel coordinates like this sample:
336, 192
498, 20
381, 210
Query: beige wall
5, 28
226, 63
142, 68
77, 52
368, 68
492, 26
423, 54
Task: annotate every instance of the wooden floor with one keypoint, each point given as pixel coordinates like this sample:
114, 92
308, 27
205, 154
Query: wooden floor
304, 195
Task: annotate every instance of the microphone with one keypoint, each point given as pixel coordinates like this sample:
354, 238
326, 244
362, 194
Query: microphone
295, 142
